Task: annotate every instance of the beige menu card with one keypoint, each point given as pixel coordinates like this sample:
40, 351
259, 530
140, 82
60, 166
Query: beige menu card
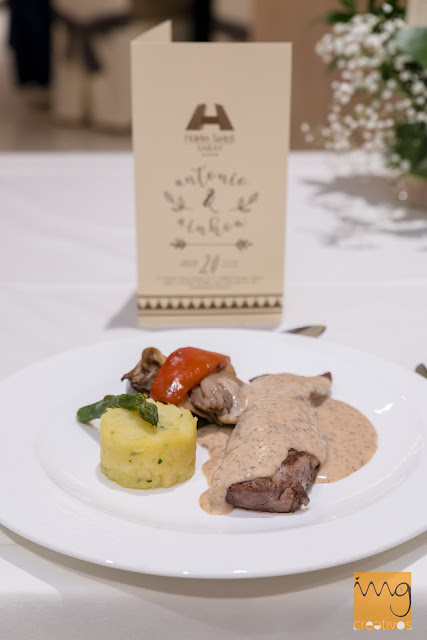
211, 135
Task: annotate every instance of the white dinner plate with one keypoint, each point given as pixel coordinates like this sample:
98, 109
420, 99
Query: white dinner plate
53, 492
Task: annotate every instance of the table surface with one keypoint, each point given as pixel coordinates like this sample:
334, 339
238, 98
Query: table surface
356, 261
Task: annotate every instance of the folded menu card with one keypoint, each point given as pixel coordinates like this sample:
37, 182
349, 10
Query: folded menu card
211, 134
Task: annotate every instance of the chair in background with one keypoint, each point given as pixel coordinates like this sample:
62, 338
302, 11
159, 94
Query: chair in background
29, 38
91, 55
232, 20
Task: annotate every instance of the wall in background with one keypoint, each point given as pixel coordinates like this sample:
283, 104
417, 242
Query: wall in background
299, 22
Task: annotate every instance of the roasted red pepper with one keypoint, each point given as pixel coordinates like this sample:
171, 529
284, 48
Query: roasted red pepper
183, 370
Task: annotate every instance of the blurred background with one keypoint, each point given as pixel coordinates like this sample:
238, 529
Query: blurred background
64, 64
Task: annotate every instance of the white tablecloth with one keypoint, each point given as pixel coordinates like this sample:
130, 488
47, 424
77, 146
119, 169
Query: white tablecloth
356, 262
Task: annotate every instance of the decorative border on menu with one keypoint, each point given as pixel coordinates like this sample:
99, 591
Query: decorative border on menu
209, 304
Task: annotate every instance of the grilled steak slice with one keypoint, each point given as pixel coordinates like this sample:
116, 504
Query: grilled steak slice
142, 375
285, 491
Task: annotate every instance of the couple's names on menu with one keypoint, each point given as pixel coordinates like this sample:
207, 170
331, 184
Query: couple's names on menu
212, 210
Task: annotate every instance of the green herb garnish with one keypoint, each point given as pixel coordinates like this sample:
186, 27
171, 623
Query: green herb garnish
138, 403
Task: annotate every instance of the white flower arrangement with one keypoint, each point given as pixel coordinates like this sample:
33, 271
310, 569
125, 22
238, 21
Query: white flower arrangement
379, 101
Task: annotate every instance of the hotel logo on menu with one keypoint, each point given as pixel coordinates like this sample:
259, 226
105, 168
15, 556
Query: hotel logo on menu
199, 118
209, 129
382, 601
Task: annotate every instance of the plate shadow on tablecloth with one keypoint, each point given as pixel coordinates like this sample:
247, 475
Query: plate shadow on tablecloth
385, 214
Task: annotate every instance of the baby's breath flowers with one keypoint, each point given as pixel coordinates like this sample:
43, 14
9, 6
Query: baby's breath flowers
379, 100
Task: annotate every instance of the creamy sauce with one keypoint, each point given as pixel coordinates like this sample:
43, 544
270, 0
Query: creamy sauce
214, 439
281, 415
352, 440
